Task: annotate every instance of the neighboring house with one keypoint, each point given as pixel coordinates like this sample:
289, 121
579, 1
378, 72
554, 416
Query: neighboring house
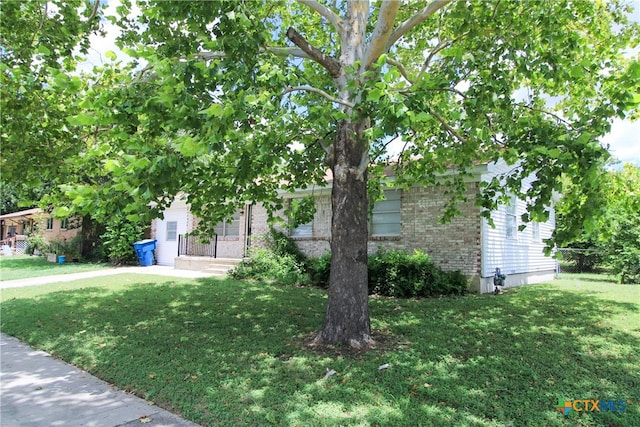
17, 226
406, 219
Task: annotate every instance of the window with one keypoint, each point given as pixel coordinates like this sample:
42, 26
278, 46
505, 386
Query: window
172, 231
385, 220
511, 218
49, 223
229, 228
303, 230
64, 224
535, 232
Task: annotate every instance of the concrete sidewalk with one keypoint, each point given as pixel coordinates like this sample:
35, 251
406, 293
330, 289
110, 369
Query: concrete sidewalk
37, 390
153, 269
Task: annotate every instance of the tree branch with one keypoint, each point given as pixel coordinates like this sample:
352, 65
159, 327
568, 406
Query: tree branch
381, 33
400, 68
326, 13
437, 49
278, 51
416, 19
94, 11
446, 125
288, 51
555, 116
328, 62
320, 92
208, 55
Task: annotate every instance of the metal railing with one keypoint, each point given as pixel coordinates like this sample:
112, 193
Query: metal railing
193, 246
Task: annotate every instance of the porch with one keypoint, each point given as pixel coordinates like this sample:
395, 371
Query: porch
17, 244
211, 256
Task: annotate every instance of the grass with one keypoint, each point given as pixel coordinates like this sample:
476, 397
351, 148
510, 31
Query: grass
25, 266
223, 352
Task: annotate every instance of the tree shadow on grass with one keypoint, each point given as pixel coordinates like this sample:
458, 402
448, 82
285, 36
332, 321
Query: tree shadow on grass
228, 353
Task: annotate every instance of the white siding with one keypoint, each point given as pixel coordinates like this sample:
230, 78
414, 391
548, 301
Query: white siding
173, 223
520, 253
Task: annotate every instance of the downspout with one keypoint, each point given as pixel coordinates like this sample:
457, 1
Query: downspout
247, 230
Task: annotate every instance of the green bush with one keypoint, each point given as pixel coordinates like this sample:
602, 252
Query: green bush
399, 274
624, 249
282, 262
393, 273
319, 269
36, 242
283, 245
265, 264
118, 240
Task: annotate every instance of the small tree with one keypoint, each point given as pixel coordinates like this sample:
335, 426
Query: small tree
118, 241
604, 219
620, 227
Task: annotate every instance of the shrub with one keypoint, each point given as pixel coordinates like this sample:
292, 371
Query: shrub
265, 264
118, 240
319, 269
36, 242
69, 247
282, 261
283, 245
624, 254
399, 274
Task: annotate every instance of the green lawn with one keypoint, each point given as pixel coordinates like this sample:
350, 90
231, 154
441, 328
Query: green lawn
222, 352
25, 266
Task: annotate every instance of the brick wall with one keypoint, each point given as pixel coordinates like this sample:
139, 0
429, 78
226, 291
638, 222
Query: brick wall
453, 246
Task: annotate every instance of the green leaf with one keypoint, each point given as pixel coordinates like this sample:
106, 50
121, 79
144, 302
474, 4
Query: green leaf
81, 119
111, 55
374, 95
111, 165
43, 50
214, 110
61, 212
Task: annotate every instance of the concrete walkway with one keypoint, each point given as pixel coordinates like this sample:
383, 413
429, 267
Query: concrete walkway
38, 390
154, 269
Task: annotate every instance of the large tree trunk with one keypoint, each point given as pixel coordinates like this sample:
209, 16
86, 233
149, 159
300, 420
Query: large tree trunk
347, 318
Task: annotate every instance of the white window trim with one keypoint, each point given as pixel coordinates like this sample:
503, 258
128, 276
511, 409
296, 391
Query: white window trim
535, 232
511, 215
174, 232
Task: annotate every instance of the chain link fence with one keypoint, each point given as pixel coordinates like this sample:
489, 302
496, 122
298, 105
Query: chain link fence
573, 260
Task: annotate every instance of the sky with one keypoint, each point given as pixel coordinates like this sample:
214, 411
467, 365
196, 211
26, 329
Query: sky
623, 140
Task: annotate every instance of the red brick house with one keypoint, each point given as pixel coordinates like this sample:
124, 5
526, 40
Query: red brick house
17, 226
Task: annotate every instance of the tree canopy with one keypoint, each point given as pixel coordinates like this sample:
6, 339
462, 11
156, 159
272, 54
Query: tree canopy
40, 43
230, 102
605, 222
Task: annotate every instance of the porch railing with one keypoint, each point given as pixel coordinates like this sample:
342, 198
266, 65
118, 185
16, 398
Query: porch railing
193, 246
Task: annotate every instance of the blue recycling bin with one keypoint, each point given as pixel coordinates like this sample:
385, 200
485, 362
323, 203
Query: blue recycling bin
144, 251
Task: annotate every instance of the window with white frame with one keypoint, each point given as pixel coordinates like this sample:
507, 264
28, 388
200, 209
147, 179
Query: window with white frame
535, 232
229, 228
64, 224
386, 217
511, 220
49, 223
172, 231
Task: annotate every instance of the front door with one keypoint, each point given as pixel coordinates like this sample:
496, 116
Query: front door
173, 224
